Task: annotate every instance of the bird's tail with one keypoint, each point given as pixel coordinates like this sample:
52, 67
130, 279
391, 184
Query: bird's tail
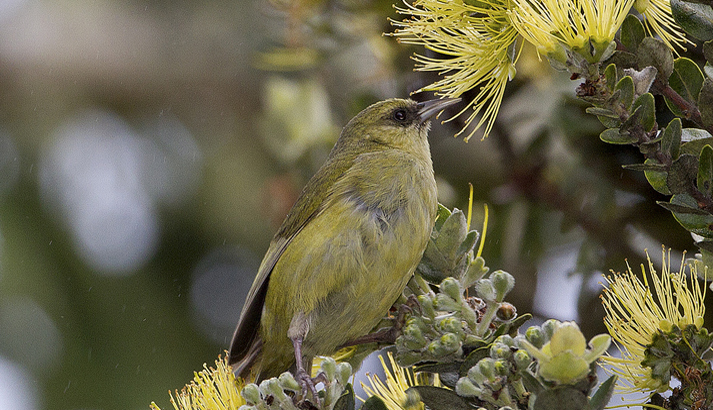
245, 367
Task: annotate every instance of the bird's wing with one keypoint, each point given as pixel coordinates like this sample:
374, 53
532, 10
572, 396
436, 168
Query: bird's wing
246, 339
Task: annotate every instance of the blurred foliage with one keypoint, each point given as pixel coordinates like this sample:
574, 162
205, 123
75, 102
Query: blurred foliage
261, 89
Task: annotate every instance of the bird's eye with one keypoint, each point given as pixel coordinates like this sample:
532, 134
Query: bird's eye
400, 115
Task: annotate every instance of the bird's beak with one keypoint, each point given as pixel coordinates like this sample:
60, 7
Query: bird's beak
428, 109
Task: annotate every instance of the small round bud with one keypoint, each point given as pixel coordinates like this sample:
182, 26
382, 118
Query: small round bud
503, 283
536, 336
272, 387
500, 351
450, 343
506, 340
502, 367
251, 393
449, 324
506, 312
522, 359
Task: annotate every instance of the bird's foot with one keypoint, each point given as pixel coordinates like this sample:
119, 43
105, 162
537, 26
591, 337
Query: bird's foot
308, 387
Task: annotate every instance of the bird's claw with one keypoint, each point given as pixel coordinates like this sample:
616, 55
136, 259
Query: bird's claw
308, 385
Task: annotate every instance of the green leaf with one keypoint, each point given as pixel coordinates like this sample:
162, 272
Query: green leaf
468, 244
626, 87
610, 75
374, 403
346, 400
603, 112
694, 134
705, 102
691, 217
601, 398
704, 181
671, 140
708, 51
561, 398
682, 209
653, 52
614, 136
682, 174
652, 166
656, 178
708, 70
705, 245
648, 111
687, 81
696, 19
632, 33
437, 398
441, 216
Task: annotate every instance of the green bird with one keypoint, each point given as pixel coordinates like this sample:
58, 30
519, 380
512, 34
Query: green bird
348, 246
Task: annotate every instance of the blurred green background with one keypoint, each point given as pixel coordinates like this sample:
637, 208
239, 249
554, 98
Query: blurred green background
149, 150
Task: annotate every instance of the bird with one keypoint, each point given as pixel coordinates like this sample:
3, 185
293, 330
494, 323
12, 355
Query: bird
348, 246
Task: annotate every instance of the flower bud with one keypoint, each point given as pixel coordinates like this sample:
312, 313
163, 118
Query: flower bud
329, 367
446, 303
502, 367
287, 382
522, 359
449, 324
500, 351
450, 342
451, 287
486, 367
506, 339
426, 303
549, 328
485, 290
536, 336
272, 387
466, 388
251, 393
506, 312
503, 283
344, 372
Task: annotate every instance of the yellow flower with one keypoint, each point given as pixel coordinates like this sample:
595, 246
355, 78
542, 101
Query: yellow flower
577, 24
211, 389
478, 42
658, 18
634, 314
398, 380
